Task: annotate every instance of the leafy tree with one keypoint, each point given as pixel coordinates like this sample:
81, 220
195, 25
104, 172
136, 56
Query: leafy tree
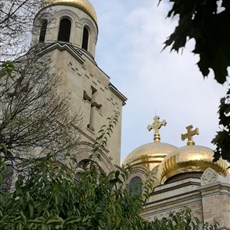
222, 139
207, 23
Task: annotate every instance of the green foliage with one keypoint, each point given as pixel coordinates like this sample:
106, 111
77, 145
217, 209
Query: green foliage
50, 195
222, 139
8, 68
206, 23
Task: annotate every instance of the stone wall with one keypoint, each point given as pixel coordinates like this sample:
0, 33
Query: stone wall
208, 198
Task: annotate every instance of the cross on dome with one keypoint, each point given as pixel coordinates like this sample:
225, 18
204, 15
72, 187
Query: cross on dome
157, 124
189, 135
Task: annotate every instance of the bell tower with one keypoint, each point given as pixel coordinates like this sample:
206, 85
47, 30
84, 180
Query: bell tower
67, 21
66, 31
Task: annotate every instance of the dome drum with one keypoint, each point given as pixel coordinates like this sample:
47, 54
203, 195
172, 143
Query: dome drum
71, 22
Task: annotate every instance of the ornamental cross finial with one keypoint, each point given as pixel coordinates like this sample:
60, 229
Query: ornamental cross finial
189, 135
157, 124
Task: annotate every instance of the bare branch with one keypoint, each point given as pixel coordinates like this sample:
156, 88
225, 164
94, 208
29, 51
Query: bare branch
34, 118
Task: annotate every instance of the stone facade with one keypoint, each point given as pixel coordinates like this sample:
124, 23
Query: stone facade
91, 93
215, 194
208, 200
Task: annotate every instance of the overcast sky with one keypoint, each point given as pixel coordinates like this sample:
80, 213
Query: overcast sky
131, 36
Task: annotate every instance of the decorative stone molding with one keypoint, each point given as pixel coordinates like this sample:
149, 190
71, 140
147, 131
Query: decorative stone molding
209, 176
139, 171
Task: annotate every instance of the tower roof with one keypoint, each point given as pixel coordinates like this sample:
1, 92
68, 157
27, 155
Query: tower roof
84, 5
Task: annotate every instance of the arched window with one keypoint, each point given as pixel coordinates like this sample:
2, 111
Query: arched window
43, 31
135, 186
85, 39
64, 30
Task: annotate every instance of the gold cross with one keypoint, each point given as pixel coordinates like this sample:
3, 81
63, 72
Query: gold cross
189, 135
157, 124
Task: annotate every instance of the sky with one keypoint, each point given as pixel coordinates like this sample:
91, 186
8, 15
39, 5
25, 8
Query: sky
156, 82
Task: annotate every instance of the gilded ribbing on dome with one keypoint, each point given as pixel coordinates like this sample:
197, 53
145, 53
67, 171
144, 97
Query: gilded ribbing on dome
190, 159
83, 5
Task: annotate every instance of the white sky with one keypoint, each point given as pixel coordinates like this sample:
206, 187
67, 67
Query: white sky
131, 34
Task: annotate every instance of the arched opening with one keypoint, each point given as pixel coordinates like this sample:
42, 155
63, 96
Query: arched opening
135, 186
64, 30
84, 164
43, 31
85, 39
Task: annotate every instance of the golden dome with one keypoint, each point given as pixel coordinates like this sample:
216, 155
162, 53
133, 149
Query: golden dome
149, 155
83, 5
190, 159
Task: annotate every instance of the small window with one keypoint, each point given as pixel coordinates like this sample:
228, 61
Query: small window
85, 39
135, 186
64, 30
43, 31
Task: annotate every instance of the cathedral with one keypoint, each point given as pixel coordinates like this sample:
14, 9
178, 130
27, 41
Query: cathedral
184, 177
